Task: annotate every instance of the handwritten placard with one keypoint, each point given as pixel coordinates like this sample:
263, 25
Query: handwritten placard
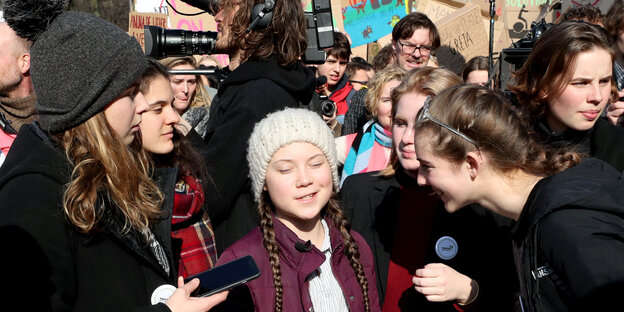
462, 36
139, 20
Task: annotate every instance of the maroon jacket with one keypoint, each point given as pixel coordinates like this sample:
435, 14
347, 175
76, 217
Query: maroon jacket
296, 265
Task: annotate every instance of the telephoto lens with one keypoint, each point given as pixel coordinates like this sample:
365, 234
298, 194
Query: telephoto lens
161, 43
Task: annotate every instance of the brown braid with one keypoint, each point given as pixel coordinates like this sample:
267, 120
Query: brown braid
351, 249
268, 240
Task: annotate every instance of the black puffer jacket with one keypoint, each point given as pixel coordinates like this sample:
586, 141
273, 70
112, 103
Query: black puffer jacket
569, 240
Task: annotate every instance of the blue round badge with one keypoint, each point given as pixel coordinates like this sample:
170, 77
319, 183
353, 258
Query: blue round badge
446, 248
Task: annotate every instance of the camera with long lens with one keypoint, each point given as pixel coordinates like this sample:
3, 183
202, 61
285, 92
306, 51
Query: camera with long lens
161, 43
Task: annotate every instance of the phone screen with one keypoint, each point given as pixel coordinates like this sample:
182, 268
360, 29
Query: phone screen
225, 276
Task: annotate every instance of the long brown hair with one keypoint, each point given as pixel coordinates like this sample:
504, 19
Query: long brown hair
427, 80
333, 211
284, 37
105, 166
550, 65
497, 128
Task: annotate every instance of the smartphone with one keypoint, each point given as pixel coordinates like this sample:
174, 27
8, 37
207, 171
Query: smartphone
225, 276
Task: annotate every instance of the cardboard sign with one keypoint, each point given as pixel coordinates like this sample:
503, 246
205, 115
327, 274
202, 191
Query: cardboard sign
462, 36
138, 20
438, 9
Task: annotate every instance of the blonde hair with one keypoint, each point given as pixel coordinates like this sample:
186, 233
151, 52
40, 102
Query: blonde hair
429, 81
377, 84
108, 177
201, 96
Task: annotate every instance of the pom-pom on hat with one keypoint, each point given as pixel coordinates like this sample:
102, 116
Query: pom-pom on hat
80, 63
282, 128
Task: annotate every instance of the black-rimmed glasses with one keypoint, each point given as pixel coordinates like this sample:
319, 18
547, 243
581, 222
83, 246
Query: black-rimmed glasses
409, 48
423, 114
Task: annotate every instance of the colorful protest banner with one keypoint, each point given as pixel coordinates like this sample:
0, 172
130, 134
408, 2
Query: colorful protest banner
138, 20
368, 20
462, 36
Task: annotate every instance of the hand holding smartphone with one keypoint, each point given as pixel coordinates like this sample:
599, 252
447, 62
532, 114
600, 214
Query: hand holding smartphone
225, 276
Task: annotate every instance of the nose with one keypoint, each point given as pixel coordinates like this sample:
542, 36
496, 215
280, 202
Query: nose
595, 95
336, 67
421, 179
141, 103
408, 136
219, 16
416, 53
186, 88
304, 178
172, 117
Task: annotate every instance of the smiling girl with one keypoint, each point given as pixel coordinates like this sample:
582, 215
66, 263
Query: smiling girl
569, 230
307, 254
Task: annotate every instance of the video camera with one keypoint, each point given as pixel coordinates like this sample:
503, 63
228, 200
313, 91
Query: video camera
161, 43
512, 59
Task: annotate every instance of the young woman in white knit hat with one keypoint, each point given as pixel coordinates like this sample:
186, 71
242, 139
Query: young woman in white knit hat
308, 257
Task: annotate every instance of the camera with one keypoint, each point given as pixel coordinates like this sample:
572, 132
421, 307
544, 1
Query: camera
160, 42
322, 105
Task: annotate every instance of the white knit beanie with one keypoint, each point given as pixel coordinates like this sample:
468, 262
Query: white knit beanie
282, 128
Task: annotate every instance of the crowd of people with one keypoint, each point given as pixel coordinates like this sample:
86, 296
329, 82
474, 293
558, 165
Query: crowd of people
423, 190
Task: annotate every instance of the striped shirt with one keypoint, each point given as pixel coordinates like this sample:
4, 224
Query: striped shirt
325, 291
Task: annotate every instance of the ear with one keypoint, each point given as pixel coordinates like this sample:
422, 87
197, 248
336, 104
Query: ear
474, 163
394, 48
24, 63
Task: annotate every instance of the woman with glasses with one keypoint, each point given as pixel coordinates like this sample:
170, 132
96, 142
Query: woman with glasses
369, 148
565, 85
425, 258
569, 233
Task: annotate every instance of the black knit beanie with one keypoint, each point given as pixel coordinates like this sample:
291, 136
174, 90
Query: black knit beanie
79, 63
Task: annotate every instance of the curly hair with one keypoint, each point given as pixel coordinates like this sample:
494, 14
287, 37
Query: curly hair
284, 37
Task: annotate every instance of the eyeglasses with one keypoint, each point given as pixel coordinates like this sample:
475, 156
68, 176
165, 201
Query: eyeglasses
409, 48
423, 114
358, 81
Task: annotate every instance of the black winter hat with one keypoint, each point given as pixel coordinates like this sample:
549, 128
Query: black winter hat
79, 63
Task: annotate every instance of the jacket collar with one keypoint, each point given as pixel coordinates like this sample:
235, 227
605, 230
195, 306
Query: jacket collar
295, 256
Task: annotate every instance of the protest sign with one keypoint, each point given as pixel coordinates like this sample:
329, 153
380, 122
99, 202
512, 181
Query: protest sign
138, 20
462, 36
368, 20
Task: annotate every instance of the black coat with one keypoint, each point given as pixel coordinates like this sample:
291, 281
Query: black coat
570, 240
48, 265
603, 141
251, 91
371, 203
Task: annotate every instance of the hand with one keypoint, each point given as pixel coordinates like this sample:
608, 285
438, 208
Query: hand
616, 110
181, 300
323, 89
438, 283
183, 127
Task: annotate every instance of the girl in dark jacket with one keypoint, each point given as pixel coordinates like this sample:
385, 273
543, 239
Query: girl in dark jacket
79, 215
569, 235
308, 257
414, 239
566, 84
181, 171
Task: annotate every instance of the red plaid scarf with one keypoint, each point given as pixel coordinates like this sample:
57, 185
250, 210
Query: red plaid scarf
198, 252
